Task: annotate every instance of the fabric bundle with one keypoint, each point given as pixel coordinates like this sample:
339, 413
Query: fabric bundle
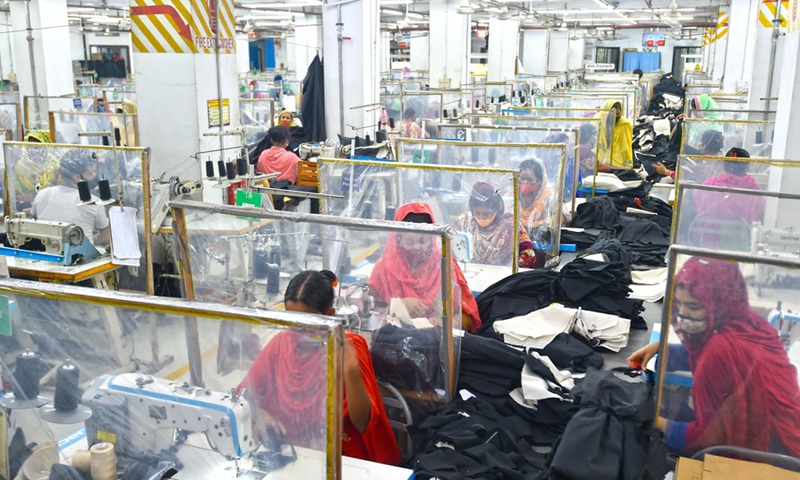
538, 329
612, 433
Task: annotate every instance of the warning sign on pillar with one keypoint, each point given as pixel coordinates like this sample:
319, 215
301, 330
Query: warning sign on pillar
219, 117
183, 26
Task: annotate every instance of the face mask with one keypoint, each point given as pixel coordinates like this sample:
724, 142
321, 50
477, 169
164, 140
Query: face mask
485, 222
286, 123
691, 325
529, 189
418, 255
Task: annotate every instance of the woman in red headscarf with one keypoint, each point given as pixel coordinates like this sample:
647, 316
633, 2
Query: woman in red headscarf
410, 269
287, 391
744, 388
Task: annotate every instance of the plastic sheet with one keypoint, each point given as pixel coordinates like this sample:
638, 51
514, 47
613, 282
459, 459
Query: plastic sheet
545, 165
590, 100
149, 375
376, 189
732, 114
422, 105
737, 219
257, 117
539, 84
247, 257
767, 173
65, 127
55, 104
33, 167
555, 112
581, 151
728, 357
11, 119
715, 137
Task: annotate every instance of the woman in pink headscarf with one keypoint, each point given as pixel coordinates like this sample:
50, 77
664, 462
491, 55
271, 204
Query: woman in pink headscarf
744, 389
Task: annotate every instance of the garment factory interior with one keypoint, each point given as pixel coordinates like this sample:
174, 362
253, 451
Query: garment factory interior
396, 239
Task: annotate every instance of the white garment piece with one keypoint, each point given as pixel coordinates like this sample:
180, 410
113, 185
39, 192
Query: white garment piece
649, 277
518, 397
399, 316
534, 387
563, 377
662, 127
610, 331
536, 329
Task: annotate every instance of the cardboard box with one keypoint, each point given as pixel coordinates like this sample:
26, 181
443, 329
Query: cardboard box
98, 57
723, 468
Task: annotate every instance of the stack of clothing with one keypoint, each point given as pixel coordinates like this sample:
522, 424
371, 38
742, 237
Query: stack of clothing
612, 432
541, 327
668, 98
657, 134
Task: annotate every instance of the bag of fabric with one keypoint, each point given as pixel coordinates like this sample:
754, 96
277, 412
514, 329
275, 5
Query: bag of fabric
407, 358
612, 434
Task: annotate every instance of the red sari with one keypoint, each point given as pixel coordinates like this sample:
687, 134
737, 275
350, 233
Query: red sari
287, 383
745, 390
392, 276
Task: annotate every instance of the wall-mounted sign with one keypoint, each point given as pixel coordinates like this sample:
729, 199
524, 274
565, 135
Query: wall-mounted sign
599, 66
653, 39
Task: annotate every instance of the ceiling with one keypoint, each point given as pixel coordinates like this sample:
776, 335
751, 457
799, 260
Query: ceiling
270, 17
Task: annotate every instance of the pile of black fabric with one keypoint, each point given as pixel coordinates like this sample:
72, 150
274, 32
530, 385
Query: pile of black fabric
612, 434
650, 146
596, 286
407, 358
668, 98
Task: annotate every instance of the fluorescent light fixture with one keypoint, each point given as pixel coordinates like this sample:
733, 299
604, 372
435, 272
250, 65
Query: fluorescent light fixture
603, 4
396, 2
270, 6
465, 8
268, 14
391, 11
80, 9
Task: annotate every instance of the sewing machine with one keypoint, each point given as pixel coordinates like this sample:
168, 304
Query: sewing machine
64, 243
165, 191
775, 242
144, 415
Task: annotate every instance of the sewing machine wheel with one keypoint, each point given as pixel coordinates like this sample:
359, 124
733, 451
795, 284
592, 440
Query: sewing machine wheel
75, 235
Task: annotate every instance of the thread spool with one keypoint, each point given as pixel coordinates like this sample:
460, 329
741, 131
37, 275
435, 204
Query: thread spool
391, 123
26, 375
84, 192
209, 169
105, 189
477, 104
82, 460
241, 166
231, 170
221, 167
103, 461
444, 112
67, 388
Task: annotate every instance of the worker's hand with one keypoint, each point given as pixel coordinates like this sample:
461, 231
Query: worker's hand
662, 170
266, 427
640, 358
681, 116
662, 424
416, 308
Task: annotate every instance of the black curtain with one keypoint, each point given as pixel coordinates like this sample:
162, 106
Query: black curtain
312, 109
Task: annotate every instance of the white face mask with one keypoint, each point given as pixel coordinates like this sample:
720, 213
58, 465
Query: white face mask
690, 325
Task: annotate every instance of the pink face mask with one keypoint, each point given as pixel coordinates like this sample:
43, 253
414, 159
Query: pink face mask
529, 189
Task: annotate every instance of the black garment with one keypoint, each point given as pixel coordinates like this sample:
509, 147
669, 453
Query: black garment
613, 249
612, 436
572, 353
296, 137
407, 358
581, 240
597, 212
516, 295
312, 107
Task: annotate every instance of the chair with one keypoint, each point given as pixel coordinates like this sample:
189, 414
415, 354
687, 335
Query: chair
399, 417
774, 459
307, 175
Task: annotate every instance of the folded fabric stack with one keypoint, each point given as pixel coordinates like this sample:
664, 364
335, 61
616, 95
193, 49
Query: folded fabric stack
538, 329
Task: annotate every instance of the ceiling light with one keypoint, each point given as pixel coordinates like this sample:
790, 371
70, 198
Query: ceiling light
391, 11
396, 2
465, 8
603, 4
303, 3
269, 14
504, 15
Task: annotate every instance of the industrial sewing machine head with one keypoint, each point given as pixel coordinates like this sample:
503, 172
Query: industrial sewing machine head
148, 415
775, 242
64, 243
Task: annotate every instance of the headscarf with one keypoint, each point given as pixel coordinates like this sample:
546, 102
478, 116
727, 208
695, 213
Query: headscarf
745, 390
534, 214
293, 123
492, 245
392, 277
615, 145
38, 136
704, 102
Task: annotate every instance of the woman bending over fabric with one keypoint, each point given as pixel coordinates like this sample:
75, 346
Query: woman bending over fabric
744, 389
491, 229
410, 269
287, 397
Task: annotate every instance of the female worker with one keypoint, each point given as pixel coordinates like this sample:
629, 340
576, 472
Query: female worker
734, 175
409, 128
615, 138
286, 392
710, 144
535, 200
744, 390
492, 229
410, 269
286, 119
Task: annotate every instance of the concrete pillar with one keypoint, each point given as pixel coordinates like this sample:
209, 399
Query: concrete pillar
242, 53
503, 44
761, 67
352, 78
534, 53
307, 42
449, 43
384, 49
179, 37
740, 50
421, 53
557, 48
720, 45
49, 66
575, 49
